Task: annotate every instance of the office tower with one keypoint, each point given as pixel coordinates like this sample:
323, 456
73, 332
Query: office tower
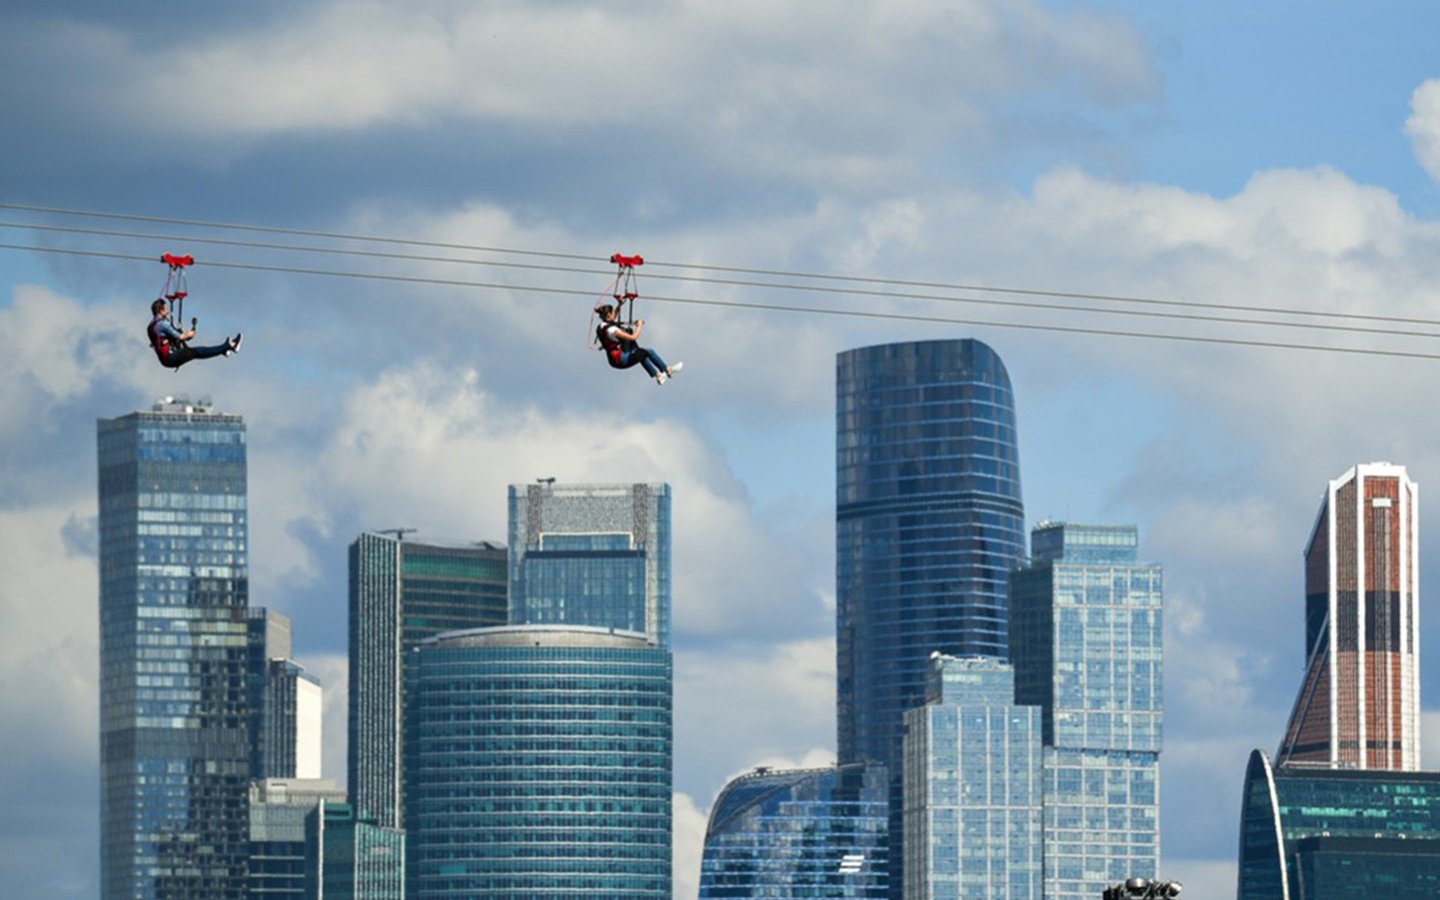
1086, 641
928, 524
538, 763
1359, 702
591, 554
402, 592
285, 702
973, 786
174, 691
1322, 833
349, 857
800, 833
293, 712
278, 808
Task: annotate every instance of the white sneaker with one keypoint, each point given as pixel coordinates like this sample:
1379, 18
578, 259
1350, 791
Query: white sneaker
661, 377
675, 368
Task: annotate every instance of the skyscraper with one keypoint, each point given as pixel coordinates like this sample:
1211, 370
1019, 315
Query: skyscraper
1086, 641
175, 728
278, 809
929, 523
349, 857
973, 787
799, 833
538, 764
290, 729
591, 554
402, 592
1359, 702
1322, 833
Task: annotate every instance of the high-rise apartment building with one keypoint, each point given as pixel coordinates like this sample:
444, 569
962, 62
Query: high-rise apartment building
800, 833
538, 764
175, 689
929, 524
402, 592
973, 787
1359, 703
1086, 641
591, 554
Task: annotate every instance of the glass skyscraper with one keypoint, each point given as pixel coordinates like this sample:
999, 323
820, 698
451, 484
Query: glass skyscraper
538, 764
591, 554
349, 857
804, 833
402, 592
176, 686
1317, 833
929, 524
278, 809
1086, 640
973, 787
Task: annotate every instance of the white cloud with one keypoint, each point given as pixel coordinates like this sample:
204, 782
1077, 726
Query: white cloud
1423, 126
49, 648
811, 91
436, 447
762, 703
687, 848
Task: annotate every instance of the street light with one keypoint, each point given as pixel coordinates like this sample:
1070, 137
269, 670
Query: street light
1142, 889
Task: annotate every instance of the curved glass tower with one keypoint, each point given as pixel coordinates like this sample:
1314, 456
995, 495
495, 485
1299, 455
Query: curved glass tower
1319, 833
798, 833
538, 761
929, 523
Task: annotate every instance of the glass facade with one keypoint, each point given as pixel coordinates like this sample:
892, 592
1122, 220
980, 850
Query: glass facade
591, 554
799, 834
402, 592
973, 788
278, 808
349, 857
176, 687
538, 764
1315, 833
929, 524
1086, 640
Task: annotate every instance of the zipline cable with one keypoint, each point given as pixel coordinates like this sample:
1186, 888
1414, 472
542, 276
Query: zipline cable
857, 292
864, 314
856, 279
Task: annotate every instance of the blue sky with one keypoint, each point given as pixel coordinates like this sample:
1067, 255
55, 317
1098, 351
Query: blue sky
1283, 156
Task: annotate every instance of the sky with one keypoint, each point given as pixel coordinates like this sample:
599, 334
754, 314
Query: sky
1281, 156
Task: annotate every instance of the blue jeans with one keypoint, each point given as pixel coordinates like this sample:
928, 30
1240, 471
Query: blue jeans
648, 358
179, 356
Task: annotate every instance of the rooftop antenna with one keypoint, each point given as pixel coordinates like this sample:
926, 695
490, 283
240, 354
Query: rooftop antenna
398, 532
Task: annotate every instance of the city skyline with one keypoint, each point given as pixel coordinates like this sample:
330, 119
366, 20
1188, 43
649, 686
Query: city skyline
1277, 157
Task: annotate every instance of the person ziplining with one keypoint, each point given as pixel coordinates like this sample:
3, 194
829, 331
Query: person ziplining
620, 339
170, 341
